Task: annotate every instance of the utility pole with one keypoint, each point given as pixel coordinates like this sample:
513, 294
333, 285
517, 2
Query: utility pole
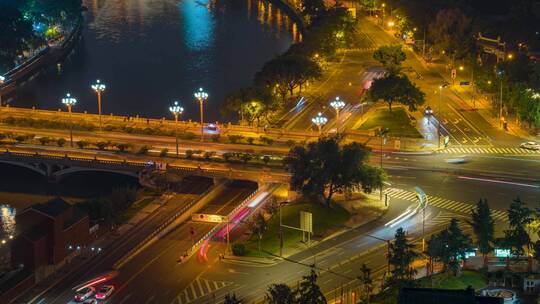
382, 134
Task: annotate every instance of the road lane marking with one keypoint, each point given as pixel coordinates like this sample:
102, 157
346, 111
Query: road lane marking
443, 203
498, 181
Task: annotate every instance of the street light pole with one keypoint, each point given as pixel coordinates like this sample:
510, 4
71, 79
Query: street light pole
319, 121
176, 110
382, 134
201, 97
2, 79
337, 104
99, 88
501, 103
70, 102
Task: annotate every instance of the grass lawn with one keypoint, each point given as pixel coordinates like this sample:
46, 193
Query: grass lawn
134, 208
441, 280
397, 122
324, 220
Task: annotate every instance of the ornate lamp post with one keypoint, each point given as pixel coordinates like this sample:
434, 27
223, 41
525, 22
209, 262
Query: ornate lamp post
338, 105
201, 97
319, 121
69, 102
99, 88
2, 79
176, 110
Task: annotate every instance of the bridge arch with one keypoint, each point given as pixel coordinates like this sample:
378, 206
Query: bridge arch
57, 175
33, 167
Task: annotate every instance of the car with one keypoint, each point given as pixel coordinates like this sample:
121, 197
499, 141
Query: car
428, 111
530, 145
84, 294
457, 160
104, 292
90, 301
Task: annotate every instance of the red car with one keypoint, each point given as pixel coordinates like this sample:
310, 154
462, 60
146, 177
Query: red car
104, 292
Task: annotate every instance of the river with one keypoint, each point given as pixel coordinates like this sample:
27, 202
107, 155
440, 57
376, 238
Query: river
152, 52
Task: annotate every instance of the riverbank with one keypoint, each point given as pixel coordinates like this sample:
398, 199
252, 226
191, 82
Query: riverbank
50, 55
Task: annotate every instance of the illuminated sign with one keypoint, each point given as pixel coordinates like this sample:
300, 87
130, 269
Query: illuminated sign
502, 253
208, 218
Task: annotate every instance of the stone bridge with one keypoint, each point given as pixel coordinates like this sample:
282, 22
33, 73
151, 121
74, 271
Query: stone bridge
55, 167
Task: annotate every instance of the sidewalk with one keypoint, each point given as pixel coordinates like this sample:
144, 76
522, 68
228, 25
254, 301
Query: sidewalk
102, 244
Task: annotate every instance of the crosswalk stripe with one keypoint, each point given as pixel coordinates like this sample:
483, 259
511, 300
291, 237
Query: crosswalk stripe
487, 150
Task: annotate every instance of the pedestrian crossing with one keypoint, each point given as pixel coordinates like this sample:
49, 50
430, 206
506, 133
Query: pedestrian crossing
487, 150
443, 203
198, 289
443, 219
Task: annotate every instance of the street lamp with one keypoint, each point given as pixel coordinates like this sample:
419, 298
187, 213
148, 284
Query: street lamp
382, 133
69, 102
176, 111
319, 121
201, 97
500, 73
441, 87
99, 88
337, 104
2, 79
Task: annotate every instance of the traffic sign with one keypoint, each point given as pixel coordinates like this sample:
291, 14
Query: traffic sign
422, 197
454, 73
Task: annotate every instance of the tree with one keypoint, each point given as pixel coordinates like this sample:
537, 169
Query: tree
391, 57
231, 299
516, 237
313, 8
259, 227
451, 32
309, 292
367, 283
280, 294
483, 227
323, 168
394, 88
449, 246
401, 255
15, 34
287, 72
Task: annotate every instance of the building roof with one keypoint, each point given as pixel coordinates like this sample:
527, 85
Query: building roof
52, 208
77, 216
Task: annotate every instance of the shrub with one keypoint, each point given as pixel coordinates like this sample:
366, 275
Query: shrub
246, 157
102, 145
266, 159
164, 152
235, 138
108, 128
123, 147
215, 137
227, 156
267, 140
44, 140
208, 155
2, 136
250, 140
143, 150
61, 141
291, 143
20, 138
187, 135
82, 144
239, 249
189, 154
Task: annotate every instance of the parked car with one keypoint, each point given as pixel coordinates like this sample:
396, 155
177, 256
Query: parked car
84, 294
428, 111
104, 292
530, 145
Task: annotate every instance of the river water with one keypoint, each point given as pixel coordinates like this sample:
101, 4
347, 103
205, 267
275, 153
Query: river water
152, 52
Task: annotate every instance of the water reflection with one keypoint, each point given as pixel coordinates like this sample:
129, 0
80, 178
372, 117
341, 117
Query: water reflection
150, 52
7, 220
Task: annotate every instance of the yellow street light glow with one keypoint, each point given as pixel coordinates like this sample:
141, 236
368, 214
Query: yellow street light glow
510, 56
391, 23
489, 82
461, 68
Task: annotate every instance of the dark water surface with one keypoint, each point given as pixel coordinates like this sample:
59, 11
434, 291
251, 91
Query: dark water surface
152, 52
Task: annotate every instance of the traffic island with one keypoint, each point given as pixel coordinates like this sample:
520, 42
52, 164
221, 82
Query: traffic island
328, 221
398, 122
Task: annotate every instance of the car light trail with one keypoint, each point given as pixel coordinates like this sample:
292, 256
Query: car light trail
258, 199
498, 181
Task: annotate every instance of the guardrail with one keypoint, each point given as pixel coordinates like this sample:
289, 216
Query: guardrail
160, 228
209, 234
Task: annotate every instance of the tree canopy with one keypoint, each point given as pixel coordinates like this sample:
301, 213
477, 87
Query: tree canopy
483, 227
394, 88
324, 168
391, 57
401, 255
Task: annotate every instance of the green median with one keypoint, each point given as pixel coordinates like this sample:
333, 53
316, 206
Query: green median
397, 121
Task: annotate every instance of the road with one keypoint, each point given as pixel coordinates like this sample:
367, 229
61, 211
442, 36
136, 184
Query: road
191, 189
